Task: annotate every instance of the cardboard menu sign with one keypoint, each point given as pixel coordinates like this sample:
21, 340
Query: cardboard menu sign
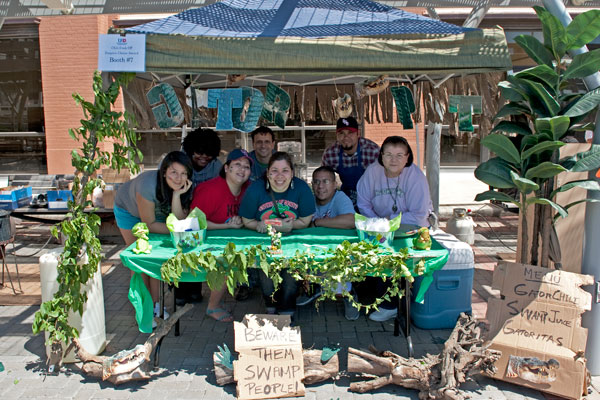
537, 327
270, 363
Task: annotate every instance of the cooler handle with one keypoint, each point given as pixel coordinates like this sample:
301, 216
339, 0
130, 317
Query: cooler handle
447, 283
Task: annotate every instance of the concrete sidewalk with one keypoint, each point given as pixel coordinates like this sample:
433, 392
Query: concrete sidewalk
186, 361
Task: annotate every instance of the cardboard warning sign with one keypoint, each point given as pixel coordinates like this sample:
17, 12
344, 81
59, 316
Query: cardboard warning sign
270, 363
537, 327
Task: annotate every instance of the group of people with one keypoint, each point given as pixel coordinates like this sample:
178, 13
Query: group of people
252, 188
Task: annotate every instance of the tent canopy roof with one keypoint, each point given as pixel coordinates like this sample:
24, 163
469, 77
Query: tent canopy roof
299, 18
316, 37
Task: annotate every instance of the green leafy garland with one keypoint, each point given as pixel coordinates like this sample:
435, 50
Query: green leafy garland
348, 262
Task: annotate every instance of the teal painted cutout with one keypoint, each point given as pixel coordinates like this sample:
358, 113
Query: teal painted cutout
224, 100
328, 352
465, 106
224, 356
405, 105
1, 367
165, 106
246, 117
277, 103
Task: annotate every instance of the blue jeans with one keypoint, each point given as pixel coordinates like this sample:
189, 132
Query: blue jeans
285, 297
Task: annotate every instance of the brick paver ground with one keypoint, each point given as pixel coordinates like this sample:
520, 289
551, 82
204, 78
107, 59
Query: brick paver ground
186, 361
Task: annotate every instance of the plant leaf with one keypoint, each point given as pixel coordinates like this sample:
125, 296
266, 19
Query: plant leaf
586, 184
512, 108
583, 64
511, 91
512, 127
555, 34
542, 74
585, 104
496, 173
544, 170
540, 147
494, 195
584, 28
587, 160
536, 200
523, 185
543, 97
535, 49
568, 206
558, 125
503, 147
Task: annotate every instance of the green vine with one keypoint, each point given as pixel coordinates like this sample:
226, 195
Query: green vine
348, 262
81, 228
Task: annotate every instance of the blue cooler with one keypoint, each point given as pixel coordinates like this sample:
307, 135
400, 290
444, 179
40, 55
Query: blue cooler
450, 292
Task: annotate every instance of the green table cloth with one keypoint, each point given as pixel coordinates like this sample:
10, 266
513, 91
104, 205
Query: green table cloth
317, 239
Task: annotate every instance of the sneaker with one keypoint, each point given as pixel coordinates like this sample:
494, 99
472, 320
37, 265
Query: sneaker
157, 311
307, 299
383, 315
350, 312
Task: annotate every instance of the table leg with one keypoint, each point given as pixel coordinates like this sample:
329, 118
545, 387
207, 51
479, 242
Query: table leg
175, 309
403, 305
161, 302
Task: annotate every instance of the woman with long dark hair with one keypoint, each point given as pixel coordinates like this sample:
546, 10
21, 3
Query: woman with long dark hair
151, 197
287, 203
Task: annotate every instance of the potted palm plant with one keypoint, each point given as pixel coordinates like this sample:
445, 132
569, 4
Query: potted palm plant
80, 258
541, 112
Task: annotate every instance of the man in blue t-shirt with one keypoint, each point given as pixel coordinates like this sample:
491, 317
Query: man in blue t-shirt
334, 208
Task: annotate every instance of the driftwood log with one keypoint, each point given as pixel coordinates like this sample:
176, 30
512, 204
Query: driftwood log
314, 370
435, 376
128, 365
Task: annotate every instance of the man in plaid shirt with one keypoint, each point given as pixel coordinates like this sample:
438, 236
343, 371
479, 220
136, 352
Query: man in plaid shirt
350, 155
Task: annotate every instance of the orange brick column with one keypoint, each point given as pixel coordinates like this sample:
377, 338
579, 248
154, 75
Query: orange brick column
69, 57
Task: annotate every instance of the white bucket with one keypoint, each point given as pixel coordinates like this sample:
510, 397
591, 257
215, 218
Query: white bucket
91, 325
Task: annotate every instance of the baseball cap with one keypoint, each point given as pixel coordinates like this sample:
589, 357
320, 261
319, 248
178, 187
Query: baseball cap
347, 123
236, 154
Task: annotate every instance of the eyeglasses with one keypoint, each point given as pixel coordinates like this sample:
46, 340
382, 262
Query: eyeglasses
317, 182
390, 156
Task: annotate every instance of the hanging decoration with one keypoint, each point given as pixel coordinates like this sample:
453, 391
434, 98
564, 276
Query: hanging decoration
276, 105
233, 78
225, 100
343, 106
466, 106
165, 106
405, 105
246, 118
372, 86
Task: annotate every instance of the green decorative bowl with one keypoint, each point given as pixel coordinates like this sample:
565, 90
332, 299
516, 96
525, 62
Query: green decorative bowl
380, 238
188, 240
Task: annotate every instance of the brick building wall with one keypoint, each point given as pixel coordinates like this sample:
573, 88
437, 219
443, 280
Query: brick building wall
68, 57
